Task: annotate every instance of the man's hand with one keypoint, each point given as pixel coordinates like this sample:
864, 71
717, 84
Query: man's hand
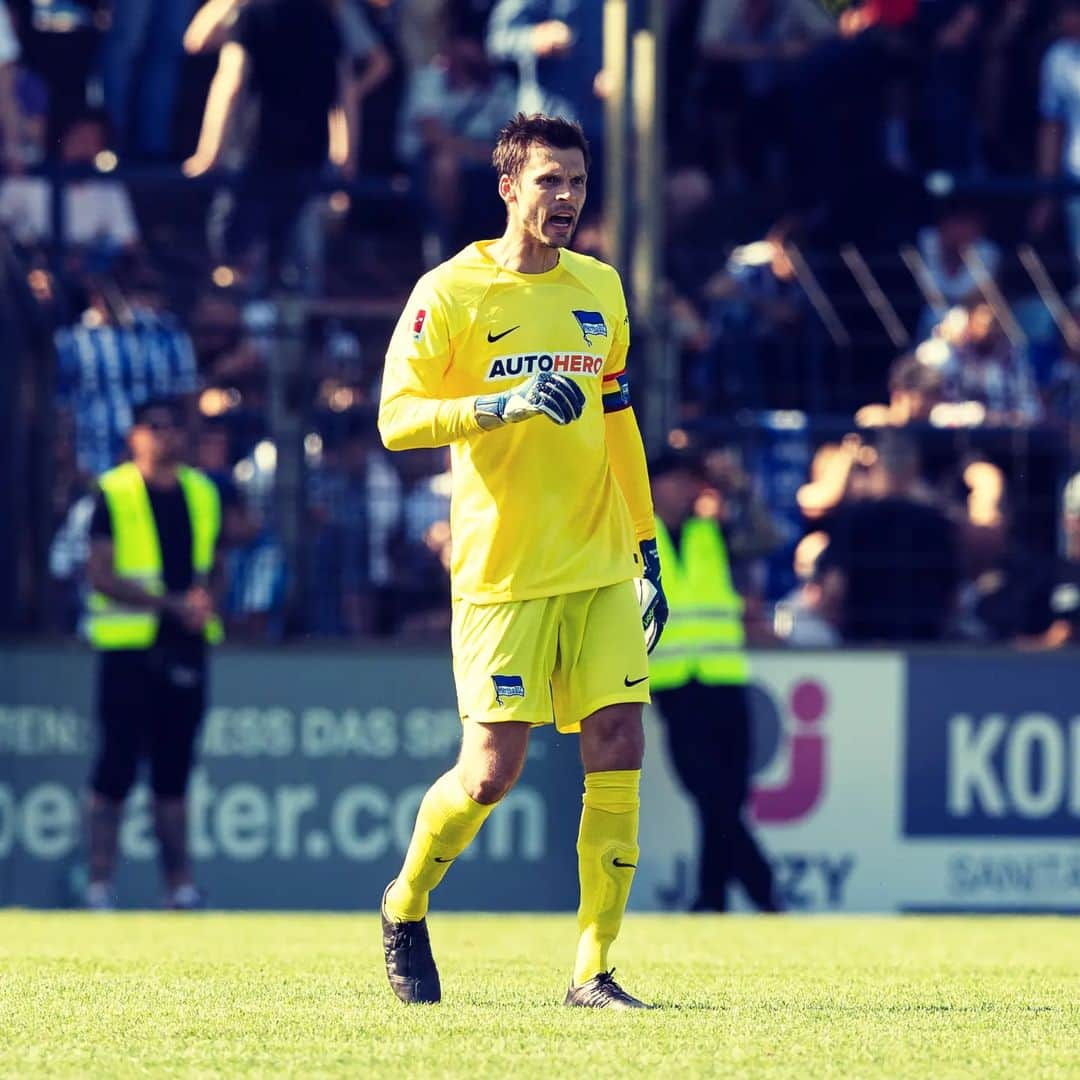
199, 164
554, 396
655, 614
552, 38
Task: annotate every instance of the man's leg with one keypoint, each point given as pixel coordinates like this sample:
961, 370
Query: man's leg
612, 748
452, 811
747, 863
696, 746
180, 701
119, 677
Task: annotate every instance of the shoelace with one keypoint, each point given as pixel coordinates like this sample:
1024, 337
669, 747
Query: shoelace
604, 989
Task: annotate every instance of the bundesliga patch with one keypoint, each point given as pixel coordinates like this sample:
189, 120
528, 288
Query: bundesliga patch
418, 324
508, 686
591, 323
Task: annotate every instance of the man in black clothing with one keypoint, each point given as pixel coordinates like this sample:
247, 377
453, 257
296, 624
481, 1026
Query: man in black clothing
893, 558
290, 55
152, 540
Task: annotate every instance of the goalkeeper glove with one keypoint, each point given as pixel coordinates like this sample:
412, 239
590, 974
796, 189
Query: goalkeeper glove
654, 608
554, 396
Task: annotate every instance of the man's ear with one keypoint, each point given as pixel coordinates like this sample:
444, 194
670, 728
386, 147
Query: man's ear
506, 188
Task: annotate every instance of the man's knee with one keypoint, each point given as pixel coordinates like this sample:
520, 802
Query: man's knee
491, 759
613, 738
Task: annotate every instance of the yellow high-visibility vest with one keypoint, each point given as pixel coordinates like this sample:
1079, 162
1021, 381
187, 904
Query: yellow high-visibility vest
137, 554
704, 635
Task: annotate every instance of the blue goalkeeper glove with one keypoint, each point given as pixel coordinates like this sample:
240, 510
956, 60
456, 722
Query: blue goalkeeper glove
654, 613
554, 396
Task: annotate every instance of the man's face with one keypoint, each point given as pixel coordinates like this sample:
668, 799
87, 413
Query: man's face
82, 143
675, 492
158, 437
546, 199
1070, 21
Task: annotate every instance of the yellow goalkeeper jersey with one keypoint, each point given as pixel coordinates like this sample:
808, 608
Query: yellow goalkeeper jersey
536, 509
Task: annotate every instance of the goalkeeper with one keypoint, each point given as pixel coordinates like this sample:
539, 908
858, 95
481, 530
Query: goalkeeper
513, 353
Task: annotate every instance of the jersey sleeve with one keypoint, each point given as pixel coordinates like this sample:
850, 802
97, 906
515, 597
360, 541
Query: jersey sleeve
616, 384
412, 411
625, 448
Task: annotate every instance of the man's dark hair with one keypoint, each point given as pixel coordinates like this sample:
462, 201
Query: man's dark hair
172, 405
522, 132
669, 461
911, 374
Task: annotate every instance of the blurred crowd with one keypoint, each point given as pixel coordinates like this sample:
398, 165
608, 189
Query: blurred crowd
870, 282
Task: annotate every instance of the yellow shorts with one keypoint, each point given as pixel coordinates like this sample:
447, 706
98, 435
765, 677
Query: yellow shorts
557, 658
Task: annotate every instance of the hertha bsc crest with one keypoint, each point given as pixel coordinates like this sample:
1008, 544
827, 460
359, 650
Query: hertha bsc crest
508, 686
591, 322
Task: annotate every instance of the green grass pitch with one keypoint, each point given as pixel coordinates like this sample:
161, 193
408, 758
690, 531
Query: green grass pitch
305, 995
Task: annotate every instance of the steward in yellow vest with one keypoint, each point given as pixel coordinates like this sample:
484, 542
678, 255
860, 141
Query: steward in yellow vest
150, 615
704, 635
698, 677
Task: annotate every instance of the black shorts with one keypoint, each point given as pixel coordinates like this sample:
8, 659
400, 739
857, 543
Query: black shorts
150, 704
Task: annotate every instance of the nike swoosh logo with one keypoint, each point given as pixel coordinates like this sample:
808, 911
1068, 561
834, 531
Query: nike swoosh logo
625, 865
496, 337
437, 859
627, 681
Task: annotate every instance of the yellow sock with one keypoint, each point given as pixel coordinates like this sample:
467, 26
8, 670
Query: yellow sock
607, 856
447, 821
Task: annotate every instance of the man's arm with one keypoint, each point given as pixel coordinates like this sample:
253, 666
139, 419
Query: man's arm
412, 411
103, 579
413, 414
627, 453
10, 118
210, 27
521, 29
232, 72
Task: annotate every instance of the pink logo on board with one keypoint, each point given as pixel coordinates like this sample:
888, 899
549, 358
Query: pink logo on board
796, 795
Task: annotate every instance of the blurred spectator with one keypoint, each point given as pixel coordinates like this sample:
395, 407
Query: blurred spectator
98, 214
806, 617
255, 575
63, 46
892, 558
355, 503
749, 44
10, 116
1063, 614
981, 364
837, 475
424, 27
558, 49
453, 110
114, 358
760, 337
425, 591
1058, 145
141, 66
915, 389
950, 83
428, 501
1006, 597
960, 232
291, 54
68, 553
750, 531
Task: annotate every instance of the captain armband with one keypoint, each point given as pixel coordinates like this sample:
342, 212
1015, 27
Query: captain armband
616, 391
